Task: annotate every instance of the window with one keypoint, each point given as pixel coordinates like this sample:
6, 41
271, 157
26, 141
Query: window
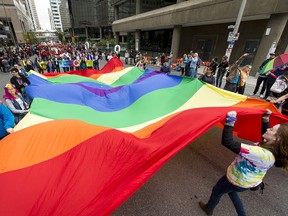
251, 46
204, 48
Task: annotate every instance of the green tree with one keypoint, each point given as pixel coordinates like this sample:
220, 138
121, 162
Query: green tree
30, 37
103, 42
61, 36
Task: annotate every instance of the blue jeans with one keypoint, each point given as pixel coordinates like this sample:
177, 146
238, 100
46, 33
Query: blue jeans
193, 72
219, 78
222, 187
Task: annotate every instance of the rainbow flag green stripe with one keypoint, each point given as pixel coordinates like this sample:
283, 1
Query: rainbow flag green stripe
144, 109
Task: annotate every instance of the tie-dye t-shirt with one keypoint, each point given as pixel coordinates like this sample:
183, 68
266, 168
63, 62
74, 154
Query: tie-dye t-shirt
250, 166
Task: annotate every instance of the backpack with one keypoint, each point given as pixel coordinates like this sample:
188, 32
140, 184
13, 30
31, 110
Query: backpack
280, 85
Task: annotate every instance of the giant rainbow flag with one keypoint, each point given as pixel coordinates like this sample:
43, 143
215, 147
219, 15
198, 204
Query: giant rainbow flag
92, 138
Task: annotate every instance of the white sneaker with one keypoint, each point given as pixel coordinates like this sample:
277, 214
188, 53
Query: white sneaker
261, 96
252, 94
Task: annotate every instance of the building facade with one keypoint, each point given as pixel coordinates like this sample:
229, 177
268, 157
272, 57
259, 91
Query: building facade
203, 26
104, 17
82, 14
64, 14
91, 19
52, 25
32, 12
14, 22
56, 17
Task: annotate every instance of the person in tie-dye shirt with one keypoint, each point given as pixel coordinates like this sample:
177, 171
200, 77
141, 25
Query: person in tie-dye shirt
251, 164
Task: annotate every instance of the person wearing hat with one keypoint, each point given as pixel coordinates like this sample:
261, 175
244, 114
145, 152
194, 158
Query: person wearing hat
262, 77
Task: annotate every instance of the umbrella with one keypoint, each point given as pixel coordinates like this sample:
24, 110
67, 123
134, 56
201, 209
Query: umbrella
275, 63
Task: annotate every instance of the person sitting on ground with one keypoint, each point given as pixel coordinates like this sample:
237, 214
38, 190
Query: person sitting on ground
251, 163
6, 121
15, 102
208, 77
165, 68
19, 80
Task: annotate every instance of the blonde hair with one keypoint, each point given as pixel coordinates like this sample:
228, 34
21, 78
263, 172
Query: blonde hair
246, 66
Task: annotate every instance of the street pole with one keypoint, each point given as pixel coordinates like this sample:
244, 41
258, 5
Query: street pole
233, 36
86, 31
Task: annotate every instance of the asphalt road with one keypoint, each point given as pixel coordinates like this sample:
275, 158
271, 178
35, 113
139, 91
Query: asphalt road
189, 176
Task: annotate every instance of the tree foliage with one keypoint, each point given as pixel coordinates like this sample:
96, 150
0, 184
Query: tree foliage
104, 41
30, 37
